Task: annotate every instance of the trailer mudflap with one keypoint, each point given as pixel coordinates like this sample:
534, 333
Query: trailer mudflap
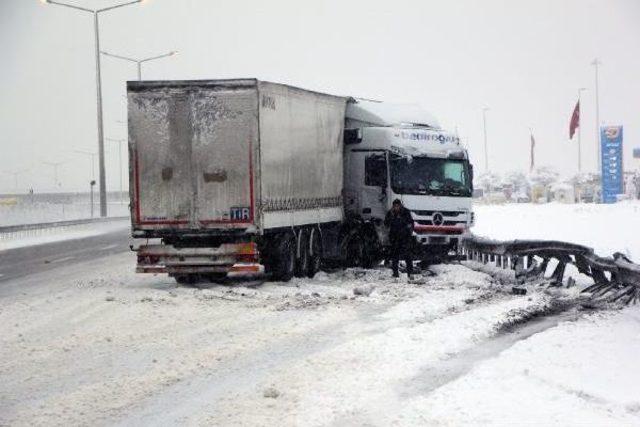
226, 258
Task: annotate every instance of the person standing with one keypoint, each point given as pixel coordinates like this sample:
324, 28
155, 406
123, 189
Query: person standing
400, 223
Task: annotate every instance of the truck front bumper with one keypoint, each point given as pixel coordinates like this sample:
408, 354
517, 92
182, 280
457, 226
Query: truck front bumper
444, 235
231, 259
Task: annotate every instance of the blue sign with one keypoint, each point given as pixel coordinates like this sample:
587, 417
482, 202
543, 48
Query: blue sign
611, 162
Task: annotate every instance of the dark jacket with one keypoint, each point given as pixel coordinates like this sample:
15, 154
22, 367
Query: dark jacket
400, 225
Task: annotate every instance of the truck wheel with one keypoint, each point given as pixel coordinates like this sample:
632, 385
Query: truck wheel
315, 255
370, 250
302, 262
285, 263
355, 251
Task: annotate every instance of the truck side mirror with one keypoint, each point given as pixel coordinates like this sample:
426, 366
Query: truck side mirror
471, 176
352, 136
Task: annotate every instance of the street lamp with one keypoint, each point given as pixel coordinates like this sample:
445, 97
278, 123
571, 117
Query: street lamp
139, 62
55, 166
96, 13
119, 141
93, 155
596, 63
484, 123
15, 178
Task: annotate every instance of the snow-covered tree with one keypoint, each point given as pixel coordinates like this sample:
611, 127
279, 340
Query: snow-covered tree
544, 176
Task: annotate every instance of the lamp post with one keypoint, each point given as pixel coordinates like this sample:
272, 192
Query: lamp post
15, 178
484, 123
96, 13
119, 141
596, 63
93, 159
139, 62
55, 166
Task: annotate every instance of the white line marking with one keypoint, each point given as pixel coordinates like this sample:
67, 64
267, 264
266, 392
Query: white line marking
106, 248
67, 258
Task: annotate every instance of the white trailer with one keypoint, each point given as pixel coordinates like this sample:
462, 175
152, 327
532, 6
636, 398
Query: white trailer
233, 175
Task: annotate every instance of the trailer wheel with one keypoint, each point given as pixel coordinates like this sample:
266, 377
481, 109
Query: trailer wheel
315, 253
302, 262
186, 279
285, 262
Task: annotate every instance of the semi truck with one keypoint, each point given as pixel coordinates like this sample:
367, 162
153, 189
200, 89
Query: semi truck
242, 176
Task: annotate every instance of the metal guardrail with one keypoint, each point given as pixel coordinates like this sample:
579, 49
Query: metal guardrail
41, 225
12, 232
615, 278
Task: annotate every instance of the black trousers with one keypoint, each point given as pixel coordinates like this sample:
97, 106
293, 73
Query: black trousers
401, 249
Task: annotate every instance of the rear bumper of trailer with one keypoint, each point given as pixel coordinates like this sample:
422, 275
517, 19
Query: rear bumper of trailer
228, 258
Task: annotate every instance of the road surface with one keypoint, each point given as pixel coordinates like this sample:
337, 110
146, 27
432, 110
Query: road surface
86, 341
25, 261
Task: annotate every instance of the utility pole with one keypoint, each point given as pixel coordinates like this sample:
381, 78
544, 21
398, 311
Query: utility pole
486, 153
139, 62
96, 30
580, 129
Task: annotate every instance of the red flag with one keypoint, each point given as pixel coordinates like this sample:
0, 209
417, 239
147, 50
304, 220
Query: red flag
575, 120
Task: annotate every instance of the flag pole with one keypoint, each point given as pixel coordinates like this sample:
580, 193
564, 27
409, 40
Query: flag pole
531, 141
580, 131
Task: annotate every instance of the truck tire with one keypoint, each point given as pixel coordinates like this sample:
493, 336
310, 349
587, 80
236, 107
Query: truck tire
285, 259
315, 253
371, 254
302, 261
354, 250
186, 279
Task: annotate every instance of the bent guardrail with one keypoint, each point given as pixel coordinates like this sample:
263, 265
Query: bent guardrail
616, 278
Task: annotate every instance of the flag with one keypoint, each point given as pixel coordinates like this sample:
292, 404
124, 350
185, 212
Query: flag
575, 120
533, 145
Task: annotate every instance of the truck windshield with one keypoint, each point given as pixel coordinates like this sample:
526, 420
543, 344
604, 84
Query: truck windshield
424, 175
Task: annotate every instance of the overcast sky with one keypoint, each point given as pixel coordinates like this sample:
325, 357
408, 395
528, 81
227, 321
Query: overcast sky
525, 60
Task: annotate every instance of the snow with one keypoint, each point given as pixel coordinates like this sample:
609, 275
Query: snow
389, 114
58, 234
605, 228
579, 373
94, 343
39, 208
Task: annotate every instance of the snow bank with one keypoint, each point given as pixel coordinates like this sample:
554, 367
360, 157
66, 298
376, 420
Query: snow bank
566, 376
606, 228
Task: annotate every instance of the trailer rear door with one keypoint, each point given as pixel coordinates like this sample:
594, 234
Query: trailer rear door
191, 146
224, 130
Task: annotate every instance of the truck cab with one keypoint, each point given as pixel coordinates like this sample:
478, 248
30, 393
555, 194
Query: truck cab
400, 152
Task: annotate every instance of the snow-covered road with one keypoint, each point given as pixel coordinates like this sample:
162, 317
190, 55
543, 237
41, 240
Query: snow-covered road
89, 342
